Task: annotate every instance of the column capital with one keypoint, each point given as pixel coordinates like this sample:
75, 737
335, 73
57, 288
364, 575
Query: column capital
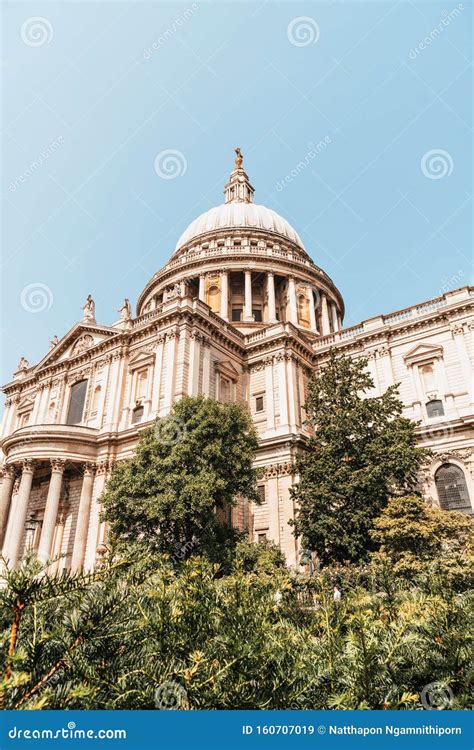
8, 471
57, 464
28, 466
88, 468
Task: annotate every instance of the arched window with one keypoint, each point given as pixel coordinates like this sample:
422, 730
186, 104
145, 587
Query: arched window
434, 408
137, 414
141, 389
76, 402
428, 377
452, 488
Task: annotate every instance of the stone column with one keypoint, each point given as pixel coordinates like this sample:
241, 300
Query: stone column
271, 298
8, 473
225, 295
324, 315
51, 510
82, 526
335, 322
20, 510
172, 339
293, 310
282, 391
202, 287
312, 311
248, 316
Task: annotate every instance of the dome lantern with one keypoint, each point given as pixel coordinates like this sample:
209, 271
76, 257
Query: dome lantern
238, 189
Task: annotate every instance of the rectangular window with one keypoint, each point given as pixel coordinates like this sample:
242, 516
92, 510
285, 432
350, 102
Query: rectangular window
261, 492
257, 315
261, 537
236, 314
259, 403
76, 402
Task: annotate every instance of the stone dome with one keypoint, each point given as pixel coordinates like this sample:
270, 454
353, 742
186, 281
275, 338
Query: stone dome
239, 215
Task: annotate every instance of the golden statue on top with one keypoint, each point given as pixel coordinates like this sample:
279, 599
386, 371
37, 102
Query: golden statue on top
238, 159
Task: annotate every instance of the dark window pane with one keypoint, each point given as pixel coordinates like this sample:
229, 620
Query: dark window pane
261, 492
262, 537
236, 314
257, 315
434, 409
259, 403
137, 414
452, 488
76, 402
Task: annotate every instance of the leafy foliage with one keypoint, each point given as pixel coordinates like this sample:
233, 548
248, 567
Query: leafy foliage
175, 494
416, 539
363, 451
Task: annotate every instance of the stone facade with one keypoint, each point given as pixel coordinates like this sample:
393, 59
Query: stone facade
241, 313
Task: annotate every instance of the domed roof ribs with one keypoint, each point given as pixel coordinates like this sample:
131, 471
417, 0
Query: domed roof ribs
238, 189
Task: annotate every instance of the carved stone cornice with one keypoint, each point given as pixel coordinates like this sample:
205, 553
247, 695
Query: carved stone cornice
278, 470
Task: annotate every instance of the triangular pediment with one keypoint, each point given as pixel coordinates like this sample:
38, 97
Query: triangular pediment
227, 368
423, 352
81, 338
141, 358
25, 404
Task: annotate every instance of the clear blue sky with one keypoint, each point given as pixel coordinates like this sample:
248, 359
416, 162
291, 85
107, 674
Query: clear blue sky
92, 215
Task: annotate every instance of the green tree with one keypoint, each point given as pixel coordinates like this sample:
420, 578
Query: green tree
415, 538
362, 452
175, 494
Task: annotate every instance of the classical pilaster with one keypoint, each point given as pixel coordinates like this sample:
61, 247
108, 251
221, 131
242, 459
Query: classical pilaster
172, 338
324, 315
194, 359
8, 474
94, 517
271, 298
206, 367
51, 509
224, 295
157, 375
292, 306
18, 511
82, 525
457, 331
270, 396
282, 389
273, 510
248, 315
